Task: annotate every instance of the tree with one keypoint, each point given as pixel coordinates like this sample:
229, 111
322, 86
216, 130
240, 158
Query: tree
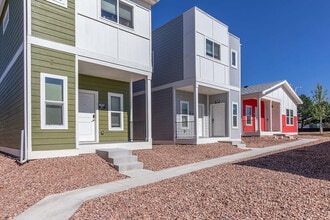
320, 107
305, 109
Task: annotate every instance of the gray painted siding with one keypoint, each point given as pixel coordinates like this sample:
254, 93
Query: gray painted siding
222, 98
235, 74
139, 86
168, 52
162, 115
235, 97
139, 117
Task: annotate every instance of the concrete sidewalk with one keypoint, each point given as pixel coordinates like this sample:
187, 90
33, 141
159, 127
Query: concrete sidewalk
64, 205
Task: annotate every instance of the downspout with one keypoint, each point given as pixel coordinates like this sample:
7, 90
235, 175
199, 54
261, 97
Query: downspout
23, 150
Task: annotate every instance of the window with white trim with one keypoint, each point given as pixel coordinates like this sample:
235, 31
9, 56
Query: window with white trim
5, 20
289, 117
54, 101
213, 49
184, 110
235, 115
114, 9
248, 113
63, 3
234, 58
115, 111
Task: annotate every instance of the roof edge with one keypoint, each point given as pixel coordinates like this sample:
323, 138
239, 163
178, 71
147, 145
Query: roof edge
289, 88
151, 2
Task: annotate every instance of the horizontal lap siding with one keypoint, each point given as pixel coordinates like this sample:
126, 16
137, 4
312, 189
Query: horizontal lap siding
57, 63
53, 22
103, 86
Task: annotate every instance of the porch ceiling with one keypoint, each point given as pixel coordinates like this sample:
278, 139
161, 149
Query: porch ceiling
98, 70
203, 90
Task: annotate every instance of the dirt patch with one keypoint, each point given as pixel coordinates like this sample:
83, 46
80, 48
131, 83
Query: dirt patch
266, 141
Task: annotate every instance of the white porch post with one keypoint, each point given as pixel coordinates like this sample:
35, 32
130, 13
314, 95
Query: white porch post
148, 108
196, 111
174, 115
271, 115
131, 110
208, 116
259, 115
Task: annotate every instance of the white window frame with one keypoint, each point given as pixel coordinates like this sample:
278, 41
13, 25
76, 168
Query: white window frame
184, 115
118, 14
290, 117
43, 101
246, 107
63, 3
121, 96
231, 59
214, 44
5, 20
233, 115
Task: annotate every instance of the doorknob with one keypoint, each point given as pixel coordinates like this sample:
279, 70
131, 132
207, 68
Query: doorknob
93, 118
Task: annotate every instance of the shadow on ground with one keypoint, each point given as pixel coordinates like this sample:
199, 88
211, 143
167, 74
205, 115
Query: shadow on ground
312, 161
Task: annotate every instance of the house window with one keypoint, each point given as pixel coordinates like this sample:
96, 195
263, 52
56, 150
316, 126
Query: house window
184, 110
110, 8
54, 101
115, 111
248, 112
289, 117
5, 20
63, 3
233, 58
235, 115
212, 49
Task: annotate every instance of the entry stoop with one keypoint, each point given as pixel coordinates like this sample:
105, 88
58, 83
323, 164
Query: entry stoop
121, 159
239, 144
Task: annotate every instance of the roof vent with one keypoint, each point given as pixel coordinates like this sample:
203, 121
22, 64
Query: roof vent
246, 86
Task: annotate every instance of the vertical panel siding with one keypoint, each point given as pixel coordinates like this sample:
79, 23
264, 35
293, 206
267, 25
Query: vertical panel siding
235, 73
139, 117
53, 22
57, 63
103, 86
168, 52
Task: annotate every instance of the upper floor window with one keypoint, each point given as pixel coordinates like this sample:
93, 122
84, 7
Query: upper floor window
63, 3
233, 58
5, 20
289, 117
212, 49
114, 9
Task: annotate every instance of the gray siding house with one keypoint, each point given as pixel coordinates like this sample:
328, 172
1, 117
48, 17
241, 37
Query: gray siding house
196, 81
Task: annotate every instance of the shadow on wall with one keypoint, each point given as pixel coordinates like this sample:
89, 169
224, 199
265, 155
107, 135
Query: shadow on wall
311, 162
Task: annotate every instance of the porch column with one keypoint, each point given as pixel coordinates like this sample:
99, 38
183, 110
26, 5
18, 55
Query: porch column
131, 111
259, 115
148, 108
271, 115
196, 111
208, 116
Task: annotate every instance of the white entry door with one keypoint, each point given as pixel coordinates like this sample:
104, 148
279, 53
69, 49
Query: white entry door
201, 120
218, 119
87, 115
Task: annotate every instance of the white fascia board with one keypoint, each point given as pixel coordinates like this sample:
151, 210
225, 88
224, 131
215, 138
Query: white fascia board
151, 2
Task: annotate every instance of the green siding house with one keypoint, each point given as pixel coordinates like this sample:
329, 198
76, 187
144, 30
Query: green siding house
67, 70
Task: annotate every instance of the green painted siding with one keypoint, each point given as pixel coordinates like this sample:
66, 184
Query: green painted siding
103, 86
12, 86
53, 22
57, 63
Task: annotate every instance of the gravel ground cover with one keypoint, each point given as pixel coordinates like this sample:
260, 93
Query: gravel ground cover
265, 141
22, 186
290, 184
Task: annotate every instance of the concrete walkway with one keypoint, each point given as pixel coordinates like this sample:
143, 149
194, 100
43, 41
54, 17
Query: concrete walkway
64, 205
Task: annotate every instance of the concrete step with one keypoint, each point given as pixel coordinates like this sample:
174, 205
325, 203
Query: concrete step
123, 159
128, 166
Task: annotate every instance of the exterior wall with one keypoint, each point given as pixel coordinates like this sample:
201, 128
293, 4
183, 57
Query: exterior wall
162, 115
58, 63
189, 132
167, 45
53, 22
12, 77
289, 128
235, 98
105, 37
103, 86
235, 73
139, 117
253, 104
189, 50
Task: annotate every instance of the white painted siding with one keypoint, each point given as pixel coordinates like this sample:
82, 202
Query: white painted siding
285, 100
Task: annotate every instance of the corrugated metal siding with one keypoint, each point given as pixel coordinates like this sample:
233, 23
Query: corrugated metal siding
103, 86
162, 115
168, 52
53, 22
57, 63
13, 37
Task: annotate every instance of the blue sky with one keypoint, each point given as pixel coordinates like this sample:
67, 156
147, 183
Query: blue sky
281, 39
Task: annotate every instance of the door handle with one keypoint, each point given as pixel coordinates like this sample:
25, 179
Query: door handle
93, 118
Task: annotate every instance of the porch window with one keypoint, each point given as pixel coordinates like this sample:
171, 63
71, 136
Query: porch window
184, 110
5, 20
54, 101
115, 112
234, 58
248, 112
235, 115
289, 117
110, 9
212, 49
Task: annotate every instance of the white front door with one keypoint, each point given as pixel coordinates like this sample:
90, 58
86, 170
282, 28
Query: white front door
201, 120
87, 115
218, 119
